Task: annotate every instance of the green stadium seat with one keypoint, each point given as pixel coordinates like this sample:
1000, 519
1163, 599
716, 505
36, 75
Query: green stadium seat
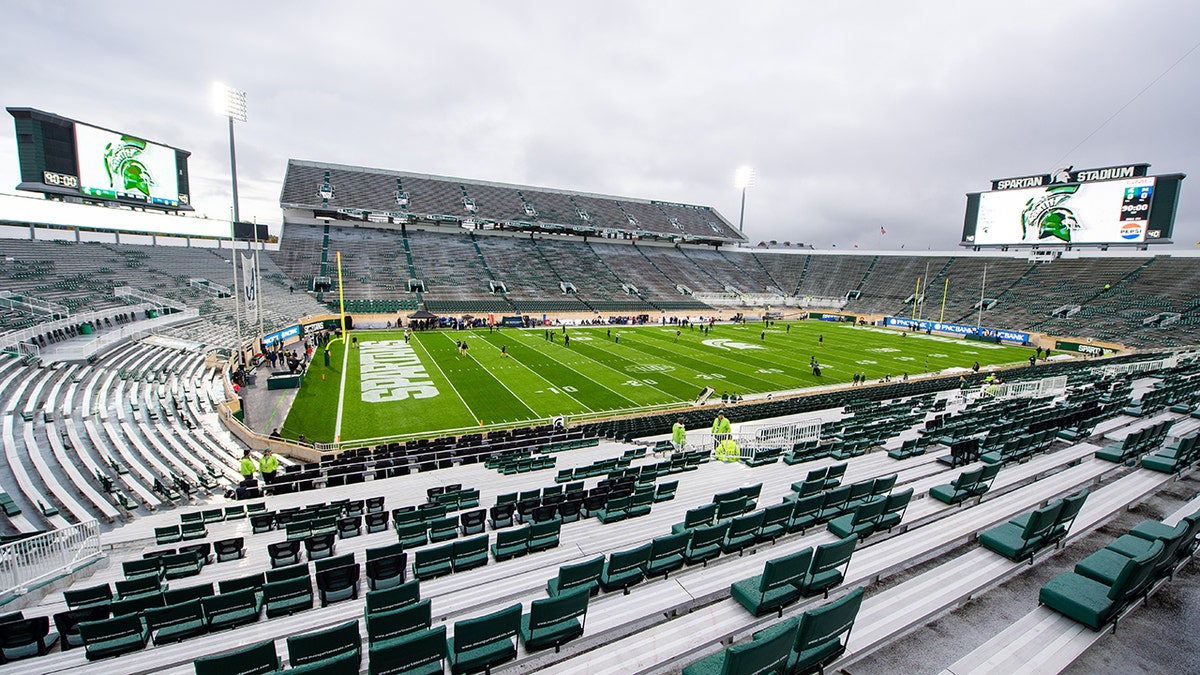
697, 517
338, 583
828, 566
768, 652
433, 561
484, 642
390, 599
585, 574
1017, 542
230, 610
742, 533
551, 622
257, 659
706, 543
338, 641
625, 568
776, 587
21, 638
1093, 603
819, 635
88, 597
420, 653
113, 637
386, 571
175, 622
666, 554
383, 626
469, 553
544, 535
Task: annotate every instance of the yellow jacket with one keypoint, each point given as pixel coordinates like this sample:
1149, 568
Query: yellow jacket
247, 467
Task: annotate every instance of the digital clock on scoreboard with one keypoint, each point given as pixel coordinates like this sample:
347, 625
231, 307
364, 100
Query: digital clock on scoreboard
59, 179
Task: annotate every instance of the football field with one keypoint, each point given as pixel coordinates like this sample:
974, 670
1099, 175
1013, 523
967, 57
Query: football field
386, 387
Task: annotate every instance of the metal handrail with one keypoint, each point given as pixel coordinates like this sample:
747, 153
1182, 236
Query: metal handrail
28, 562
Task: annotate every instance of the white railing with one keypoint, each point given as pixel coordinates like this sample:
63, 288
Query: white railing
80, 350
785, 435
1049, 386
9, 340
29, 562
1141, 366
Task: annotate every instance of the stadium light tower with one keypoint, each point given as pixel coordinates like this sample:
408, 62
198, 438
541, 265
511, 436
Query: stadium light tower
231, 103
742, 179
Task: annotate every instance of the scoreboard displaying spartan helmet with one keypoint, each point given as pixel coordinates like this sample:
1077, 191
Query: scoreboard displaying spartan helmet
64, 158
1116, 205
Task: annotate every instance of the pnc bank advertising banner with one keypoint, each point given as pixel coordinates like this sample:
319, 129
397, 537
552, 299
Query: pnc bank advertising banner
957, 329
281, 335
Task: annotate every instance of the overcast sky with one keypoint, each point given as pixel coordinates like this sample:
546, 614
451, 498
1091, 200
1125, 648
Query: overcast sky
854, 115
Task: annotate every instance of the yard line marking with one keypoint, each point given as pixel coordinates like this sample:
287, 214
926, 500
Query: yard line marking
519, 399
447, 379
337, 425
670, 398
540, 377
635, 404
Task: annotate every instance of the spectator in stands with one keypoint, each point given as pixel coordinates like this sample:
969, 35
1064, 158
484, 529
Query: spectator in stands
1032, 360
275, 434
247, 467
247, 489
975, 367
678, 435
268, 466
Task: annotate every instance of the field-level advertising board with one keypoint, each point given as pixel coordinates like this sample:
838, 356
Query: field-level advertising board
1120, 205
64, 158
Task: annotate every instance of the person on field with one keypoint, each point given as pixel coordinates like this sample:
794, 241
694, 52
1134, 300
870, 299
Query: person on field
678, 435
504, 351
268, 466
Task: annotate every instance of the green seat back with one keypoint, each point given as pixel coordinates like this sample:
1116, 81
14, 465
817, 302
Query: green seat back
819, 634
256, 659
786, 570
586, 573
390, 599
331, 642
410, 653
396, 623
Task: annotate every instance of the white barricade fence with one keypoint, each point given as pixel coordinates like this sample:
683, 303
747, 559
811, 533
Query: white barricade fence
751, 441
1049, 386
1141, 366
41, 558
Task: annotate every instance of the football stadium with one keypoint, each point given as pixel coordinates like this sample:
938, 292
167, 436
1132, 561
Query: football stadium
436, 424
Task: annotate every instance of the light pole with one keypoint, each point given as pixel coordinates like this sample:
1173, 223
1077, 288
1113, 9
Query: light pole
231, 103
742, 179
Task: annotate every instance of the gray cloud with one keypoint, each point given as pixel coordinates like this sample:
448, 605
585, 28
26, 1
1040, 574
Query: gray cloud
855, 115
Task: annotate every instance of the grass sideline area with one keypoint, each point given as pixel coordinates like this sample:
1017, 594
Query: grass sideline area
513, 376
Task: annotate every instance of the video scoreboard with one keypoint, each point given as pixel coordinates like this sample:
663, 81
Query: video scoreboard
66, 158
1117, 205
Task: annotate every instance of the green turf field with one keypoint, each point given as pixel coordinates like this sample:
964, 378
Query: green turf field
391, 388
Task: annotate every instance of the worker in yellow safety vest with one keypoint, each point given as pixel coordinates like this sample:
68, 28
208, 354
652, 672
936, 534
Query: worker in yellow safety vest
721, 429
247, 467
678, 435
268, 466
728, 451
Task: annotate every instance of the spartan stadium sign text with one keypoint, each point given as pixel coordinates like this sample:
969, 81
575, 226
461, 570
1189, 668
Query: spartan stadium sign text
391, 371
1069, 176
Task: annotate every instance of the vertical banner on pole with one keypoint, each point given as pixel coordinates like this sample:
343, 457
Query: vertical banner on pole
250, 288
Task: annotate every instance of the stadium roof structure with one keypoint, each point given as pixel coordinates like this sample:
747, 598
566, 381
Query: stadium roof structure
380, 195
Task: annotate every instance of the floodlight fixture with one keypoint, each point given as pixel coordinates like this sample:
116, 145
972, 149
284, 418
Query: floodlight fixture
229, 102
744, 177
